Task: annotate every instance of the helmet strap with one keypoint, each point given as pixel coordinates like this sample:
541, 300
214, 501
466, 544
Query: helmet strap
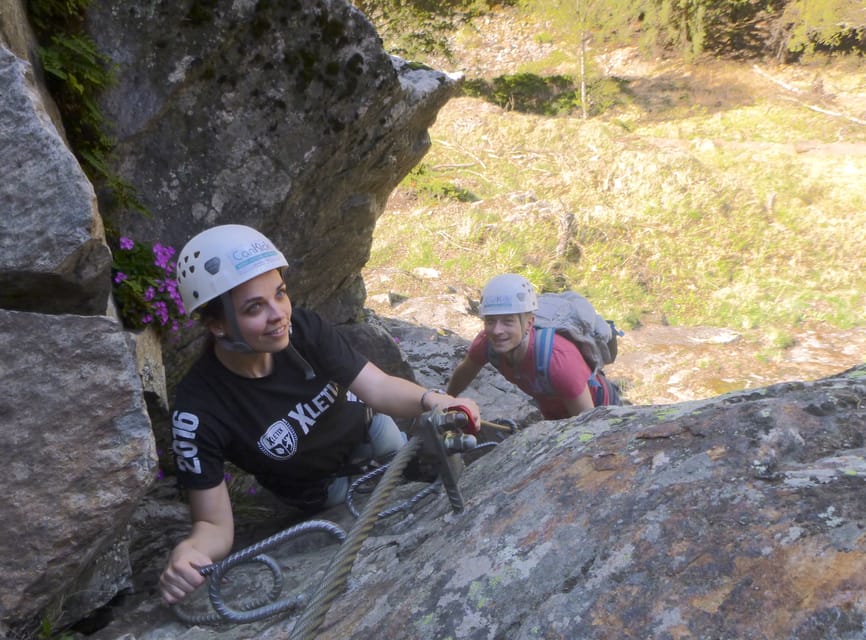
240, 346
300, 362
228, 342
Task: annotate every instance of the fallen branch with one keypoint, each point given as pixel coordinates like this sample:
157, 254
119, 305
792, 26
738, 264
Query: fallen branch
782, 84
813, 107
827, 112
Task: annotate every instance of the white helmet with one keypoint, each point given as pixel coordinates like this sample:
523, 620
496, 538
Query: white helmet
219, 259
508, 293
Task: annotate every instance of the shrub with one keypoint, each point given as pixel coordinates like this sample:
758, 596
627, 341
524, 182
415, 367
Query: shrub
145, 288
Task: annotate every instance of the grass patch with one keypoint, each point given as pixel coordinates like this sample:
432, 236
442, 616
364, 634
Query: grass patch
550, 95
700, 194
654, 220
527, 92
433, 187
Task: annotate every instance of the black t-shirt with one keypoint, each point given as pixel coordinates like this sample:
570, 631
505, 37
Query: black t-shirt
284, 429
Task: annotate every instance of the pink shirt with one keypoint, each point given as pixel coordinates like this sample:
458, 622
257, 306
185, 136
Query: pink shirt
568, 373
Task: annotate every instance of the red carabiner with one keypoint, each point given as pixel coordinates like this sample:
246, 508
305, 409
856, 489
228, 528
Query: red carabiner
472, 427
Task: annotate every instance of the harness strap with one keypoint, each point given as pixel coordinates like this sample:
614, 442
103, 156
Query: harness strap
597, 389
543, 349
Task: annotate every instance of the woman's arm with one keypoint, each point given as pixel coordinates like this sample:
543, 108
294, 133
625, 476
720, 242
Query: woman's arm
581, 403
464, 373
400, 398
210, 540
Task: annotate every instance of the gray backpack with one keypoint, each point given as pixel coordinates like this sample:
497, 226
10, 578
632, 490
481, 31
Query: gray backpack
572, 316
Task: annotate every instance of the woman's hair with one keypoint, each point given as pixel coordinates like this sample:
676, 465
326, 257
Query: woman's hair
212, 311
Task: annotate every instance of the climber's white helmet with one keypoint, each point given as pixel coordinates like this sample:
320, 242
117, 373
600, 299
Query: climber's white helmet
219, 259
508, 293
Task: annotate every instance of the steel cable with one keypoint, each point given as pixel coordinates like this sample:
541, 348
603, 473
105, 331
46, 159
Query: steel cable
355, 487
338, 570
259, 608
341, 565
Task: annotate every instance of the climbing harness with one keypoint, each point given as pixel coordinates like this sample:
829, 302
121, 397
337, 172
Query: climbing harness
443, 435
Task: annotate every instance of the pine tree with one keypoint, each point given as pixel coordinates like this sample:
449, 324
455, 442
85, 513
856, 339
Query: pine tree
825, 23
680, 24
588, 20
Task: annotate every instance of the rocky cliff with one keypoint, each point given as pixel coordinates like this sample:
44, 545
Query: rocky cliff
735, 517
739, 516
286, 116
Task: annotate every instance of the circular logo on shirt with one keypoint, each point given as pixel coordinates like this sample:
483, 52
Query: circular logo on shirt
279, 442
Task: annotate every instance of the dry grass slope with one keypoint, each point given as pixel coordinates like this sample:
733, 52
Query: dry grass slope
715, 194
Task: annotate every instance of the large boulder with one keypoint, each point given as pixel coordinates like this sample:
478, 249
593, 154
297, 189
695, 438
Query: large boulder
53, 256
77, 450
287, 116
74, 438
17, 36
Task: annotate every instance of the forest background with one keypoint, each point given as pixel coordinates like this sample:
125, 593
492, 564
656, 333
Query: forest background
681, 163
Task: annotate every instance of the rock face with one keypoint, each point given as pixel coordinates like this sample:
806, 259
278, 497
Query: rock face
288, 116
737, 517
77, 447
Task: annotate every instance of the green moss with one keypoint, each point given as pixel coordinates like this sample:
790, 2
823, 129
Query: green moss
476, 594
665, 414
76, 73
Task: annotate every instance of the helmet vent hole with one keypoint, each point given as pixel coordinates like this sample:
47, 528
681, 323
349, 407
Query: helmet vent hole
192, 268
195, 294
212, 266
196, 254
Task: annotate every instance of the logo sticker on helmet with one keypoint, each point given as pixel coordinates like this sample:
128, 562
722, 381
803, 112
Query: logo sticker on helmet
247, 256
498, 301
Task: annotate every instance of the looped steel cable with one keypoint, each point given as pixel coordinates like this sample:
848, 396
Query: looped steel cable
338, 571
406, 505
265, 606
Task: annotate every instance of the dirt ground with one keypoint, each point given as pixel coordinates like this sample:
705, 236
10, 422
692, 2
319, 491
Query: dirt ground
662, 364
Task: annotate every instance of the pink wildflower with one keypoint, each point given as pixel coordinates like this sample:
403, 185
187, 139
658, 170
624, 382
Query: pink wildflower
163, 254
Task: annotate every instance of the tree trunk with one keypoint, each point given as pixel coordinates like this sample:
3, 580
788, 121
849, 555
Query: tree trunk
583, 38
